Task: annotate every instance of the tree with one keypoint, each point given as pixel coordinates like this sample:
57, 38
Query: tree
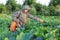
54, 2
2, 8
38, 7
29, 2
33, 11
54, 7
18, 7
11, 5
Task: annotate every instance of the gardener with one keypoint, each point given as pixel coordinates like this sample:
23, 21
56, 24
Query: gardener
20, 18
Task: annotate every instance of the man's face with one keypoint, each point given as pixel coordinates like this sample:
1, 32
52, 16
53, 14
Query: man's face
25, 10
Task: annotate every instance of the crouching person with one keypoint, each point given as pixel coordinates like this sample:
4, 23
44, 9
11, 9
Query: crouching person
20, 18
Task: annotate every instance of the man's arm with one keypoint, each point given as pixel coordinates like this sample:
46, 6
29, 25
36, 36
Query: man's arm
15, 16
35, 18
14, 22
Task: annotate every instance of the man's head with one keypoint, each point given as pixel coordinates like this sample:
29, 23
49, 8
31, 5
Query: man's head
26, 8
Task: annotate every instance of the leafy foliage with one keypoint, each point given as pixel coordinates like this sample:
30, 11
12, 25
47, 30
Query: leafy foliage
54, 2
33, 30
11, 5
25, 36
2, 8
29, 2
4, 23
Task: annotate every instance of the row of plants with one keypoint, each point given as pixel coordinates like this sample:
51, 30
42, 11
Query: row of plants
33, 30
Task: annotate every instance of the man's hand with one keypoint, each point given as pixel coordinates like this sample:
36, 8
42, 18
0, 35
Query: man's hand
42, 21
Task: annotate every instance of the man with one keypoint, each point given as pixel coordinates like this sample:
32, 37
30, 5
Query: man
20, 18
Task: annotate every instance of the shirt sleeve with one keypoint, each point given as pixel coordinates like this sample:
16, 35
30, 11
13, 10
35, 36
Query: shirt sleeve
15, 16
34, 18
